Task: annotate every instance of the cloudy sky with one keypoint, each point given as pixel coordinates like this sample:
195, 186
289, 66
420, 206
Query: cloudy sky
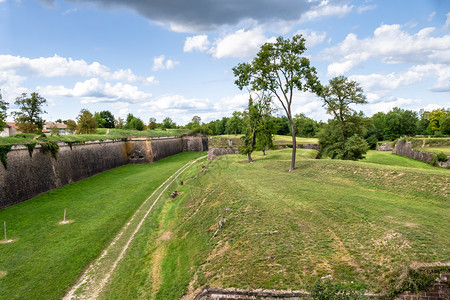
173, 58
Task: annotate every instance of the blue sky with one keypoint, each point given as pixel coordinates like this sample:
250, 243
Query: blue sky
173, 58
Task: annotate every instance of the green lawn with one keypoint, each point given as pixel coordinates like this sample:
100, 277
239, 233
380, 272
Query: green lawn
222, 140
99, 135
445, 150
47, 258
361, 222
388, 158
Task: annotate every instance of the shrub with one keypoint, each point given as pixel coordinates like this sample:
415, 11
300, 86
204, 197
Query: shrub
327, 290
441, 157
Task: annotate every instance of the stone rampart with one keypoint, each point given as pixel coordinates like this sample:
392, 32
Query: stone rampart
404, 148
27, 177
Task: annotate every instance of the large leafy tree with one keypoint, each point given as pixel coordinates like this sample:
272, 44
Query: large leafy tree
338, 97
3, 109
105, 119
86, 122
28, 118
168, 123
280, 69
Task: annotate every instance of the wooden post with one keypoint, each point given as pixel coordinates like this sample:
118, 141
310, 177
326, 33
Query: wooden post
64, 215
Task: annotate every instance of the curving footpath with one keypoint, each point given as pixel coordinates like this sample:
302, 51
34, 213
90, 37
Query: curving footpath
96, 276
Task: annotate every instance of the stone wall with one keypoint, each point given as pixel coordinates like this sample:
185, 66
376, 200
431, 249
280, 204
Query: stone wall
214, 152
385, 147
27, 177
404, 148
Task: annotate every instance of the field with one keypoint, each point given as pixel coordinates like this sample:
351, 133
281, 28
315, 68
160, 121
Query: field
445, 150
363, 223
47, 258
222, 140
101, 134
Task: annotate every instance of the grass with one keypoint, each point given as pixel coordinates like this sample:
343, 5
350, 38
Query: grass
361, 222
47, 258
388, 158
445, 150
101, 134
220, 141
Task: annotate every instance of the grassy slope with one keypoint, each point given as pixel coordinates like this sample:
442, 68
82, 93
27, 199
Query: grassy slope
360, 222
445, 150
47, 258
222, 140
388, 158
100, 135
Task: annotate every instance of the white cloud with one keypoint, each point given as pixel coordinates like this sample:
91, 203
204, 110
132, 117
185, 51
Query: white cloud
95, 90
160, 63
390, 44
58, 66
431, 16
196, 43
240, 44
326, 10
447, 22
363, 9
385, 105
312, 38
11, 86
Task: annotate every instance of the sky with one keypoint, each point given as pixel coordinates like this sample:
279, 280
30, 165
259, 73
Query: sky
174, 58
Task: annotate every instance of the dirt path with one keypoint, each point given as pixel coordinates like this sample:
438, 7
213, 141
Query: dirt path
96, 276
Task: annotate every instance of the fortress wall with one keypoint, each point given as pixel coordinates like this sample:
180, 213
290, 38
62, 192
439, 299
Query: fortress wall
27, 177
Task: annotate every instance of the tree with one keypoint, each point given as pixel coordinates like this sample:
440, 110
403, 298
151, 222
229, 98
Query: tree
3, 109
337, 98
119, 123
71, 126
152, 123
435, 118
105, 119
137, 124
28, 118
235, 124
255, 112
168, 123
196, 119
280, 69
304, 126
86, 122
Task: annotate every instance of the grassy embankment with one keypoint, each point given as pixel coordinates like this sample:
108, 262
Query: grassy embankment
100, 135
47, 258
279, 140
363, 223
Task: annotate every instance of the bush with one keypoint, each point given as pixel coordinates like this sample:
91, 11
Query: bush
441, 157
355, 148
136, 124
327, 290
439, 134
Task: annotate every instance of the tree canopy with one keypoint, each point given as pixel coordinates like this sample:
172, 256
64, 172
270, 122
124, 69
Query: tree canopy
86, 122
28, 118
3, 109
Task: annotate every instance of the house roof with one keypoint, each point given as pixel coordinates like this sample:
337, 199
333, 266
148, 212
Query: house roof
12, 124
45, 130
49, 125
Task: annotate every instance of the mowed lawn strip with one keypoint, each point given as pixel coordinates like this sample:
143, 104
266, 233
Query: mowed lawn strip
362, 223
46, 258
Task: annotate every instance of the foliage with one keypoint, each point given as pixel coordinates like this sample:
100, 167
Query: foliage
445, 126
280, 69
304, 126
327, 290
86, 123
441, 157
50, 146
168, 123
396, 123
4, 149
28, 118
3, 109
30, 148
436, 118
119, 123
105, 119
282, 124
338, 97
136, 124
152, 123
235, 124
71, 126
257, 110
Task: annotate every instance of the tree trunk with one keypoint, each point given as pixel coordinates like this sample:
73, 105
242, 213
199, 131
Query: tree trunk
249, 155
294, 145
264, 151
